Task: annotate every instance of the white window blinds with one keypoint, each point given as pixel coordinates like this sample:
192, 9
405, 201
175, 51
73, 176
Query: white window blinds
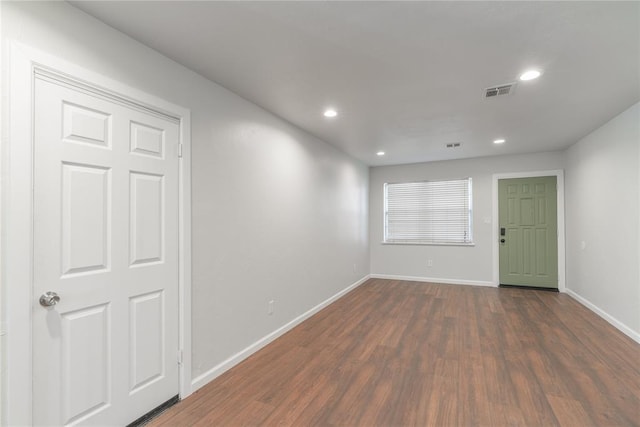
436, 212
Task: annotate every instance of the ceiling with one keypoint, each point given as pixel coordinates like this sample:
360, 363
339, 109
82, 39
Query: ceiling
407, 78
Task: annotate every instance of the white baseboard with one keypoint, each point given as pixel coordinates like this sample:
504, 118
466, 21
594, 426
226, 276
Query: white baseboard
434, 280
606, 316
219, 369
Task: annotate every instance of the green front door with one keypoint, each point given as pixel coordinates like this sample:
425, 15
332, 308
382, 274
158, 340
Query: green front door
528, 232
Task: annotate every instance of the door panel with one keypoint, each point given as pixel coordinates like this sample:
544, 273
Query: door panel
147, 140
147, 218
146, 340
86, 221
106, 241
527, 211
86, 350
84, 125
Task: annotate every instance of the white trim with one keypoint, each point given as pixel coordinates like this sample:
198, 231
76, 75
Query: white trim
606, 316
213, 373
17, 250
17, 226
559, 174
3, 327
427, 244
434, 280
184, 261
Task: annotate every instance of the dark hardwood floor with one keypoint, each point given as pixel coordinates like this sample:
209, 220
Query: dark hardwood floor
394, 353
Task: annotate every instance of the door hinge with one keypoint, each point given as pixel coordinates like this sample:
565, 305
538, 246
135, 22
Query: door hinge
179, 357
179, 150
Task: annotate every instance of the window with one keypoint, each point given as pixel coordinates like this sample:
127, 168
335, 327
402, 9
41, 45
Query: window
428, 212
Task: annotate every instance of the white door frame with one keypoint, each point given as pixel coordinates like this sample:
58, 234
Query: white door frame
559, 174
17, 217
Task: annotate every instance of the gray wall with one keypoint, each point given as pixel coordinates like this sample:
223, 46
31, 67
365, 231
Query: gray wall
603, 218
459, 263
277, 213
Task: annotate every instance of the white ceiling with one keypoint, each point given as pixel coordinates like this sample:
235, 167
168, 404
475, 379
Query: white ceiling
407, 77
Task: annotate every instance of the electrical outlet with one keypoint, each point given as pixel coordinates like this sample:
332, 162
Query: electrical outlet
430, 263
355, 268
270, 307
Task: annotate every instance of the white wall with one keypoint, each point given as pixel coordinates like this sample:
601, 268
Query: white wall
277, 213
473, 264
603, 220
3, 340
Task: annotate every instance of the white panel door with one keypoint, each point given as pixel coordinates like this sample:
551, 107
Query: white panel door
106, 242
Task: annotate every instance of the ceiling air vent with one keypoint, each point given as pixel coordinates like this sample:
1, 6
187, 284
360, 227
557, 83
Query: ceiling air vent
454, 145
505, 89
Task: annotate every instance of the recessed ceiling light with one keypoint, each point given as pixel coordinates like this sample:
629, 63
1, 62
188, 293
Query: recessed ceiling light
380, 153
330, 113
530, 75
498, 141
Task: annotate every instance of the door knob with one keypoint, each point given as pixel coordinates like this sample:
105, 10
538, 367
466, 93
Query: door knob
49, 299
502, 240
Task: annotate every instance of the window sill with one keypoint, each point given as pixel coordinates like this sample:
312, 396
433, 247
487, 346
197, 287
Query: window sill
428, 244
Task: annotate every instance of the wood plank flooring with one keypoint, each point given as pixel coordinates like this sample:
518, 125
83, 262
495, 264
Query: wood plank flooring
395, 353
